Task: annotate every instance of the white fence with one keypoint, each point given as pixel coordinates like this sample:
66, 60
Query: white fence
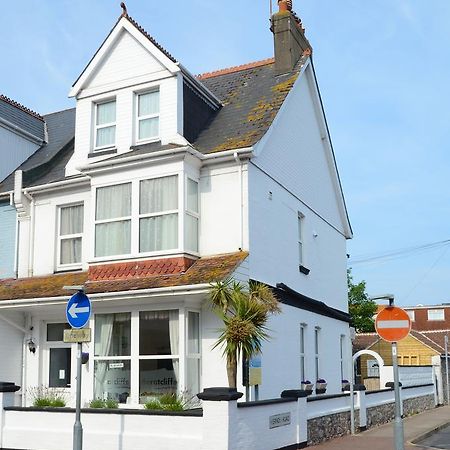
222, 425
415, 375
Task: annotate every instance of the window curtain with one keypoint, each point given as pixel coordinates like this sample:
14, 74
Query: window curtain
113, 202
158, 232
106, 113
174, 334
159, 195
191, 224
71, 220
71, 251
148, 103
103, 339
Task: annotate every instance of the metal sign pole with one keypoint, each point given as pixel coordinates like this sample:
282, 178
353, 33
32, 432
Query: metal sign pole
352, 382
398, 423
446, 369
78, 428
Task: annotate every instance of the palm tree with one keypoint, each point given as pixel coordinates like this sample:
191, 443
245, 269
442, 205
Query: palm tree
244, 311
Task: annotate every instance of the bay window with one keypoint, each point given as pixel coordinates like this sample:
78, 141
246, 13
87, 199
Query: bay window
137, 354
70, 234
105, 124
144, 217
147, 115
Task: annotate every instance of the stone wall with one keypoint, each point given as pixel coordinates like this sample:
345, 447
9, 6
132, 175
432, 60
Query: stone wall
379, 415
416, 405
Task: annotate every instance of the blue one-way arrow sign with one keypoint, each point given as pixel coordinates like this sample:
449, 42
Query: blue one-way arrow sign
78, 310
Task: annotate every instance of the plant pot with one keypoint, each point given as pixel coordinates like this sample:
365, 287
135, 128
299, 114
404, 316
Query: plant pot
307, 387
321, 388
345, 387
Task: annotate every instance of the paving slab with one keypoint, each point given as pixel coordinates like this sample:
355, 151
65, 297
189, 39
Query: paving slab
382, 437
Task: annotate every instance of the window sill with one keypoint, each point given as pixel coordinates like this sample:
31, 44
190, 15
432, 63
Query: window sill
304, 270
68, 269
101, 152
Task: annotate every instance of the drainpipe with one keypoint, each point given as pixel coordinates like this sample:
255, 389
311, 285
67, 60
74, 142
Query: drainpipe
31, 235
241, 188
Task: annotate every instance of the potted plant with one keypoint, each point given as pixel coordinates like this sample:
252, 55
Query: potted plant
307, 386
321, 386
345, 385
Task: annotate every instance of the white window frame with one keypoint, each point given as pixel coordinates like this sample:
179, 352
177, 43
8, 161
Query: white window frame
317, 353
411, 314
192, 214
440, 310
136, 216
147, 116
115, 219
302, 348
104, 125
342, 355
135, 357
59, 265
301, 238
196, 356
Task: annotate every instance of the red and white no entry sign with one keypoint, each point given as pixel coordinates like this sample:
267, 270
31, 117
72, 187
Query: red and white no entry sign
392, 324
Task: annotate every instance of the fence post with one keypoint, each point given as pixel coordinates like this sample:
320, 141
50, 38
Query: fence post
302, 415
7, 391
219, 417
361, 402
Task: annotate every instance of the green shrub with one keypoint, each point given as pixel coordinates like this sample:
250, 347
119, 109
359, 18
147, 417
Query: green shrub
58, 402
112, 404
97, 403
43, 396
168, 402
153, 404
42, 402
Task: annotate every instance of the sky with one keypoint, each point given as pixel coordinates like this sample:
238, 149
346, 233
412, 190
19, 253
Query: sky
383, 69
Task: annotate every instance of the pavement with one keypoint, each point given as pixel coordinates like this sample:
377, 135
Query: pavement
381, 438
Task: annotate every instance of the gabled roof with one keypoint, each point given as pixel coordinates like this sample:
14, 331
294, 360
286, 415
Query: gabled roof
22, 119
204, 270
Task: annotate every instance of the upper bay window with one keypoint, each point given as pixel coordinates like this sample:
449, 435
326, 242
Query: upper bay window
70, 235
105, 124
143, 217
148, 116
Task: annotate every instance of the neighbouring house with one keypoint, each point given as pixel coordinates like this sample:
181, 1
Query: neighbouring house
22, 132
417, 349
164, 183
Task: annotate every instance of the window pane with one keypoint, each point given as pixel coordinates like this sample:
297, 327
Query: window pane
113, 238
191, 233
148, 128
192, 195
435, 314
158, 332
106, 112
55, 331
158, 233
193, 332
156, 377
71, 220
193, 376
59, 368
70, 251
105, 136
159, 194
113, 202
112, 334
148, 103
112, 380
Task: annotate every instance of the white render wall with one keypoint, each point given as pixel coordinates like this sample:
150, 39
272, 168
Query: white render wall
281, 353
11, 344
291, 175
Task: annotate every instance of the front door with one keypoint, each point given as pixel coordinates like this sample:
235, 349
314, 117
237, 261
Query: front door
58, 366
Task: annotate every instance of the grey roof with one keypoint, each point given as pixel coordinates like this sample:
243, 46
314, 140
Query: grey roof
251, 96
48, 162
21, 117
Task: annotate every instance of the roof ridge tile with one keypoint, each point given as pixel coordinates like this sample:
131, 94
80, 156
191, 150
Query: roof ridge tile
233, 69
21, 107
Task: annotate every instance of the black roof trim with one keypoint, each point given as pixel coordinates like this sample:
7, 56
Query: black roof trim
293, 298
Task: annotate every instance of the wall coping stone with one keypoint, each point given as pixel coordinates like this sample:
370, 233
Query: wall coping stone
7, 386
270, 401
219, 394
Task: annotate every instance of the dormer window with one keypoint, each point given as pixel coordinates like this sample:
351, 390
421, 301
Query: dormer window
105, 124
148, 116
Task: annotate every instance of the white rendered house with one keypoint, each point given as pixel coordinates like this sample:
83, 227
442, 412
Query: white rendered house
168, 183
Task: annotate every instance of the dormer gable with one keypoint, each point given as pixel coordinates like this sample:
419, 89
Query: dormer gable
134, 92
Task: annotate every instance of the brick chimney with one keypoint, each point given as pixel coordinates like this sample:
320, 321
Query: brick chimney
289, 38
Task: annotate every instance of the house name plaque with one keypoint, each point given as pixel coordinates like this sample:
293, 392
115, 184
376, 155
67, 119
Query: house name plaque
280, 420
